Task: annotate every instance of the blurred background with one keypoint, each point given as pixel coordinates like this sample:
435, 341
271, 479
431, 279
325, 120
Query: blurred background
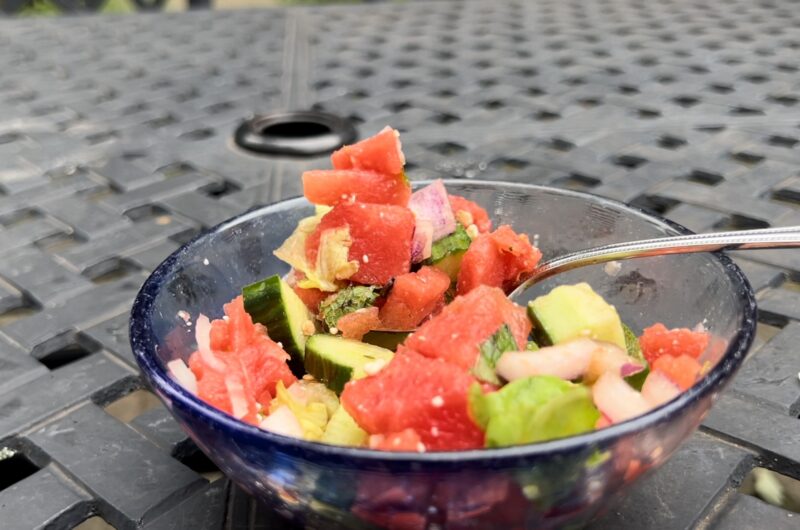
57, 7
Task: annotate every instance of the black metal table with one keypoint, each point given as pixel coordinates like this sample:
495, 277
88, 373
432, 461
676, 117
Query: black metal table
115, 146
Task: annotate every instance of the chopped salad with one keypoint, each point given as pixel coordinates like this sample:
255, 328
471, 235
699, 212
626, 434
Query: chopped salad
392, 329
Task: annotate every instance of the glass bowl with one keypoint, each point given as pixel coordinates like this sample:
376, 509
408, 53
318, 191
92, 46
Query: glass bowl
553, 484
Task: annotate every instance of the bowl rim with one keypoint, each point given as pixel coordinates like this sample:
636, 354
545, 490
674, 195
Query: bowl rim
143, 347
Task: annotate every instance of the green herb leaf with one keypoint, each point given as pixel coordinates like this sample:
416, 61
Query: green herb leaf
635, 350
458, 241
346, 301
491, 350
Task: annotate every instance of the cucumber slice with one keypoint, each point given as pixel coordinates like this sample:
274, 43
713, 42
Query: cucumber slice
342, 429
335, 360
446, 253
385, 339
273, 303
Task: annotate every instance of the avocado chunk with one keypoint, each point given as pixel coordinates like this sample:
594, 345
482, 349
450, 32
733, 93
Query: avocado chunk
575, 311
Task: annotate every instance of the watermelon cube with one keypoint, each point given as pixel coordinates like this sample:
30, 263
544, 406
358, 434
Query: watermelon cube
413, 297
381, 153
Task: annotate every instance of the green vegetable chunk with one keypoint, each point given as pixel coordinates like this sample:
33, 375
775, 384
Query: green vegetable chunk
385, 339
348, 300
446, 253
635, 351
342, 429
533, 409
532, 346
491, 350
335, 360
273, 303
575, 311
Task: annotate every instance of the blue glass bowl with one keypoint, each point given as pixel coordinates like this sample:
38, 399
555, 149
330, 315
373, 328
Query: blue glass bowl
553, 484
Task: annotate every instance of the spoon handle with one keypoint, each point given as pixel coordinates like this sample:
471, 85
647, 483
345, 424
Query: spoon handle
786, 237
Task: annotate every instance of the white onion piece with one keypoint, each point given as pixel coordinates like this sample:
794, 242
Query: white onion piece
183, 375
607, 357
233, 383
422, 243
282, 421
568, 360
616, 399
203, 337
431, 203
659, 389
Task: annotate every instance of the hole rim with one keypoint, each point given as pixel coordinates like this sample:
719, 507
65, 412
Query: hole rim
250, 134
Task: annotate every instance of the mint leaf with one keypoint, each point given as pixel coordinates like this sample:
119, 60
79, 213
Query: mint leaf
346, 301
458, 241
491, 350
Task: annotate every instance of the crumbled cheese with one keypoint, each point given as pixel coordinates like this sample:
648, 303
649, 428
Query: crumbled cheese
612, 268
205, 261
437, 401
365, 258
473, 232
280, 344
308, 377
373, 367
308, 328
464, 217
185, 316
334, 331
420, 447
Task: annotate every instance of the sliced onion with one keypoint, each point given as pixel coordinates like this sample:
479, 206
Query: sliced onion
568, 360
183, 375
616, 399
203, 337
282, 421
236, 393
659, 389
422, 242
431, 203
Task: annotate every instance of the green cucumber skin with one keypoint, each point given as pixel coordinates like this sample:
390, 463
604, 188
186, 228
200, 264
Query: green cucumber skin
385, 339
335, 360
540, 336
264, 301
334, 376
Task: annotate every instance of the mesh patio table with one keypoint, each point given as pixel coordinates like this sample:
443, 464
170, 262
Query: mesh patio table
115, 147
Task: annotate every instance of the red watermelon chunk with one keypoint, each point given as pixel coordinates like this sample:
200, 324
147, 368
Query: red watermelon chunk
253, 364
477, 215
358, 323
310, 297
413, 297
657, 340
457, 333
498, 259
332, 186
381, 153
381, 239
682, 370
436, 409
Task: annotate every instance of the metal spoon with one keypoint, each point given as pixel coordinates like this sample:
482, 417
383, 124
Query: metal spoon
787, 237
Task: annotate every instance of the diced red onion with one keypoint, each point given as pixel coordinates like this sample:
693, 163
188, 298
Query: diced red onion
203, 337
282, 421
629, 369
183, 375
422, 242
432, 204
616, 399
659, 389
